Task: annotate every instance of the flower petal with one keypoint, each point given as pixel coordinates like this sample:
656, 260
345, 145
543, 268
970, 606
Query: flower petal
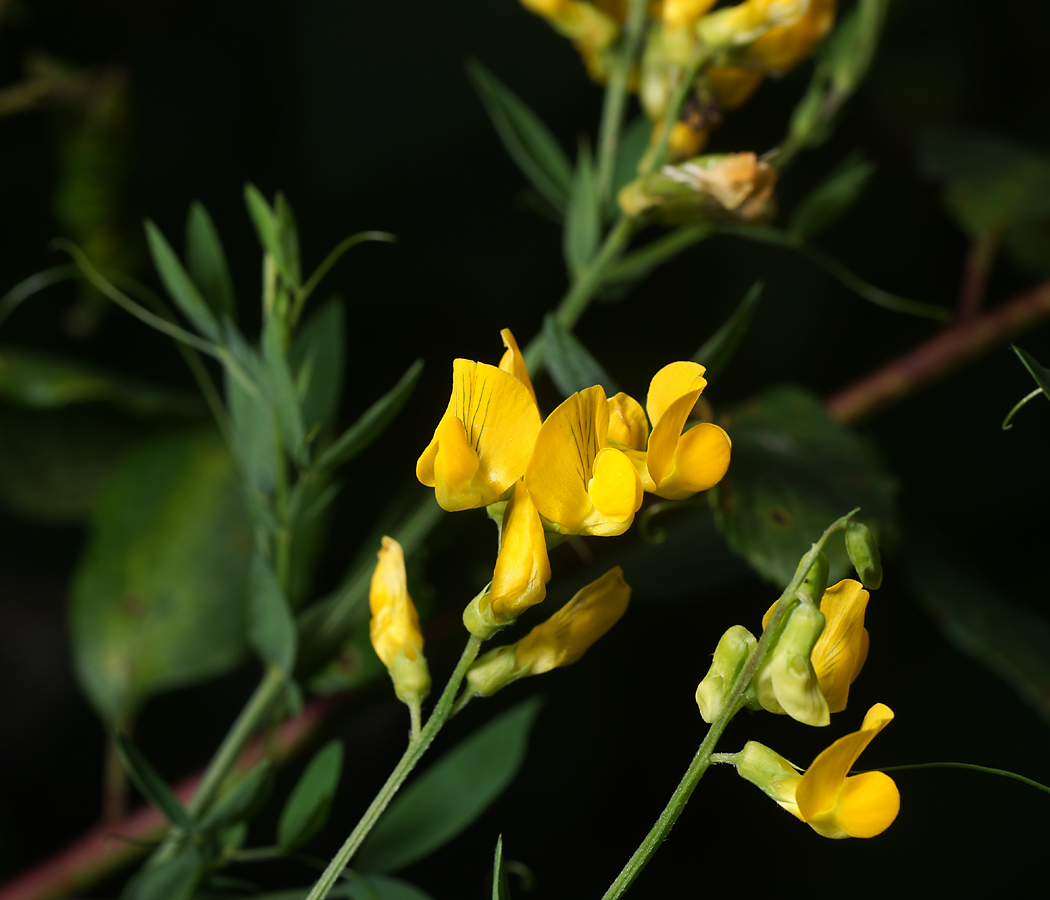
522, 568
615, 489
395, 623
663, 442
840, 652
513, 361
818, 793
868, 805
671, 382
627, 423
701, 460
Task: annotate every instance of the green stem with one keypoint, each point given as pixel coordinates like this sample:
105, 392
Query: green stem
416, 748
658, 154
733, 703
616, 94
954, 765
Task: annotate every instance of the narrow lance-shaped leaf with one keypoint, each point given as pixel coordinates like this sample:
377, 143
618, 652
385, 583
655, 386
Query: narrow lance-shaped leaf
206, 261
1040, 373
718, 349
451, 794
528, 141
179, 285
288, 236
583, 216
381, 887
317, 358
306, 810
281, 389
373, 422
572, 367
154, 788
500, 888
830, 199
242, 801
271, 628
172, 879
264, 220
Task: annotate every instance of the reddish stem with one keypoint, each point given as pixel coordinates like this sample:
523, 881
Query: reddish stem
941, 354
106, 849
975, 275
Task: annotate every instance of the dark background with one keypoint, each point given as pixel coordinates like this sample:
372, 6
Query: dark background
363, 115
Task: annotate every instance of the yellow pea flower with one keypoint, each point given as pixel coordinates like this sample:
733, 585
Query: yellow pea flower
560, 641
628, 425
781, 49
394, 629
484, 440
680, 465
513, 361
576, 481
786, 681
832, 804
683, 13
521, 573
739, 25
589, 26
839, 653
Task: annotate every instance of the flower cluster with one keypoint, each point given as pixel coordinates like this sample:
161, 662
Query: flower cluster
741, 45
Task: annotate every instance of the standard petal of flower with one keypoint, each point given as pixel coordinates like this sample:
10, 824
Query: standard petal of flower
671, 382
513, 361
818, 792
841, 649
627, 422
561, 466
701, 460
522, 568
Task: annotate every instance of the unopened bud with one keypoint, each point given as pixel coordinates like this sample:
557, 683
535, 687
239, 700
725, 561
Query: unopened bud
863, 552
786, 681
770, 773
815, 582
493, 671
731, 654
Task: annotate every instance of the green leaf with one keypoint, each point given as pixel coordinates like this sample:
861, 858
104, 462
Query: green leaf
288, 237
173, 879
264, 219
317, 357
159, 598
451, 794
571, 366
39, 381
634, 141
154, 788
500, 887
718, 349
382, 887
254, 432
830, 199
991, 183
206, 261
271, 628
241, 802
179, 285
1040, 373
528, 141
280, 389
795, 470
980, 620
639, 263
583, 219
373, 422
306, 810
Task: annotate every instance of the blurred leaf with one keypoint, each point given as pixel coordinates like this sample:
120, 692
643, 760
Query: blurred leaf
254, 431
1028, 247
830, 199
271, 628
354, 665
40, 381
373, 421
54, 462
318, 359
206, 261
264, 219
158, 600
983, 623
583, 216
639, 263
179, 285
280, 389
991, 183
570, 364
154, 788
500, 888
528, 141
288, 238
306, 810
382, 887
634, 141
241, 802
173, 879
1040, 373
718, 349
794, 471
451, 794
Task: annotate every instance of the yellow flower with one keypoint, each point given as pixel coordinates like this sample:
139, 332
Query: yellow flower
786, 681
514, 362
585, 23
783, 48
832, 804
576, 481
680, 465
394, 628
839, 653
484, 440
560, 641
684, 13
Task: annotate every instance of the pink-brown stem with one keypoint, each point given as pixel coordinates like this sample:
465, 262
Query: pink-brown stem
954, 346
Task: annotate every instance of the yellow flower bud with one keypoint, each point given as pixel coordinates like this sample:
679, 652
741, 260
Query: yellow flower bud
394, 628
731, 654
777, 778
786, 681
571, 631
